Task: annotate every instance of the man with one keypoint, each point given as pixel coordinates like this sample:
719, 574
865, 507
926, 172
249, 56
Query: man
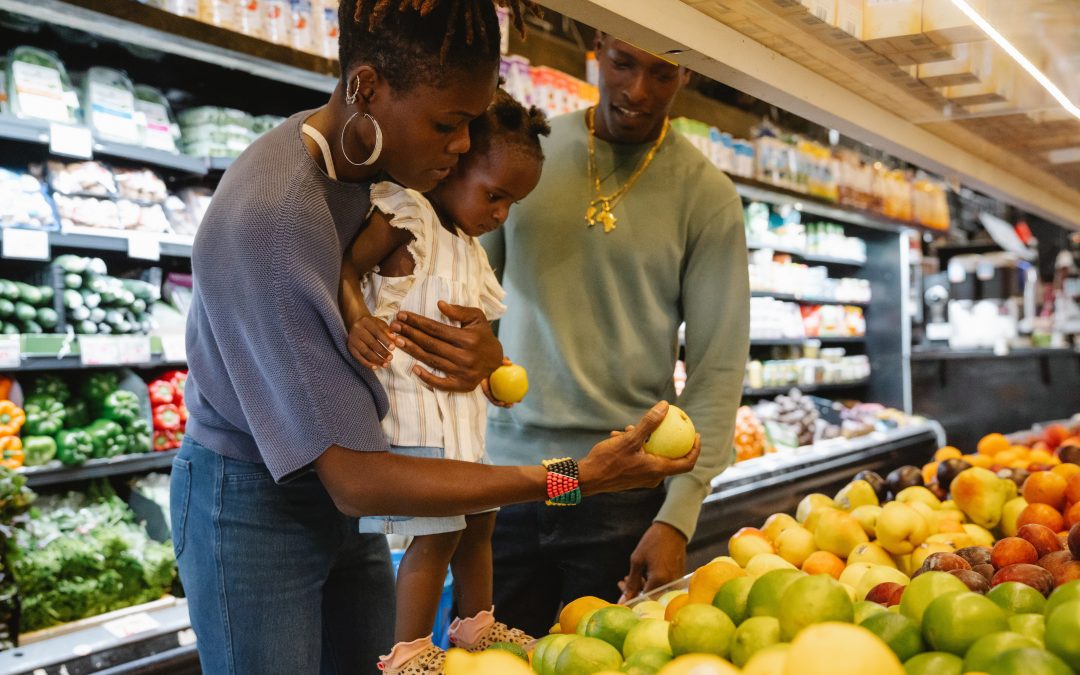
599, 278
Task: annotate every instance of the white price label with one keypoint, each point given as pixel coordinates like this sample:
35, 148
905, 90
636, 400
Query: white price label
71, 141
25, 244
134, 349
99, 350
132, 625
144, 245
174, 347
10, 351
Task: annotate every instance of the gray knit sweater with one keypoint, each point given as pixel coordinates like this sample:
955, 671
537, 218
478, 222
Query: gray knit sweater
271, 380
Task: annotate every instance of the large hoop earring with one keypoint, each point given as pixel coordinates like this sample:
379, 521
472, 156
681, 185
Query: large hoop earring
378, 141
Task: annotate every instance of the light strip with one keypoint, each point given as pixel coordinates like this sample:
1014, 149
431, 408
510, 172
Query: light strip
1012, 51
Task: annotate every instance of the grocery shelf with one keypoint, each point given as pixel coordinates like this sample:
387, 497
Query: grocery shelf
145, 26
38, 131
61, 352
218, 164
153, 634
794, 342
55, 473
804, 388
969, 354
807, 300
99, 239
755, 245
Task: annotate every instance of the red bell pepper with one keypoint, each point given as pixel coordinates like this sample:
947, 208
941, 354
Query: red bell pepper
183, 415
178, 378
176, 438
161, 441
161, 392
167, 417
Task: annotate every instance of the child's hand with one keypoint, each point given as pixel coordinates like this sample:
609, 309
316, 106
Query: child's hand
370, 342
485, 385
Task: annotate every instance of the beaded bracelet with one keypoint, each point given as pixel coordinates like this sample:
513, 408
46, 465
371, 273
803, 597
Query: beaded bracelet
563, 488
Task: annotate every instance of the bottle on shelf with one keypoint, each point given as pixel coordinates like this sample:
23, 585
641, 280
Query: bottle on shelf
301, 28
250, 17
277, 15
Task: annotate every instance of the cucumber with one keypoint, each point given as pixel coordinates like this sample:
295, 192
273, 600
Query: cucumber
47, 317
10, 329
139, 306
124, 328
98, 284
143, 290
114, 317
86, 328
47, 295
97, 266
108, 296
24, 312
32, 328
97, 315
7, 308
105, 329
90, 299
8, 290
73, 264
28, 294
73, 299
126, 297
73, 281
79, 313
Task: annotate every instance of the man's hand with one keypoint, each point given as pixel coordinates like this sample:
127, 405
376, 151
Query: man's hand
465, 355
659, 559
485, 386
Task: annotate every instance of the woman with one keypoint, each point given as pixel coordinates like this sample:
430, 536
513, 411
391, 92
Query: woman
284, 447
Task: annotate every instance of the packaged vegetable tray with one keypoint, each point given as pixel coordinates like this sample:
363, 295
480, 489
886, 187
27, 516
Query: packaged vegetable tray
109, 97
40, 87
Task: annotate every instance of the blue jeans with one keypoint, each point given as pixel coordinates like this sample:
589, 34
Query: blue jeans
277, 579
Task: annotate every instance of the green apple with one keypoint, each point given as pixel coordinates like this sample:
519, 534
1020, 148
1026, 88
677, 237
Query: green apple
509, 384
674, 437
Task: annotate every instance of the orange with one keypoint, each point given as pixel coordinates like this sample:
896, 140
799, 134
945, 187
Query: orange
823, 562
573, 612
948, 452
1045, 487
708, 579
1040, 457
929, 471
1066, 471
992, 444
981, 461
1072, 487
1072, 515
1041, 514
1006, 457
677, 603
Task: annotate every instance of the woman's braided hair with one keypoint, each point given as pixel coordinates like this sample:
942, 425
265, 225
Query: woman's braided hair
423, 41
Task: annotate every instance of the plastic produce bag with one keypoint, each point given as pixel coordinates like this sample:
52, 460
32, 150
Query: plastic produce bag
110, 105
40, 87
154, 116
23, 202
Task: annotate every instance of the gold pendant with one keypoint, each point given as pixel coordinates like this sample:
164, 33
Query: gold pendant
599, 212
590, 215
608, 219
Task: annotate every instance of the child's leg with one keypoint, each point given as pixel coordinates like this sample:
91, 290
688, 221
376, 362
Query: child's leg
472, 566
420, 583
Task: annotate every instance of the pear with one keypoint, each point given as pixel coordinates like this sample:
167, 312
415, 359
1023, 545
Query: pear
810, 503
928, 514
853, 573
766, 562
795, 545
776, 524
871, 552
901, 528
838, 532
918, 493
855, 494
980, 535
981, 495
1010, 514
867, 516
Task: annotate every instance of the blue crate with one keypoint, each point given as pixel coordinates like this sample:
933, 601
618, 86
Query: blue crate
440, 634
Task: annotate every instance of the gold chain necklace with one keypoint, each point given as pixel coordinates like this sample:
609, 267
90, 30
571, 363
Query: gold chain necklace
600, 206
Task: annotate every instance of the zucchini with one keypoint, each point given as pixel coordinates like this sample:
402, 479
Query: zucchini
10, 329
73, 281
86, 328
7, 308
139, 306
8, 290
97, 266
105, 329
24, 312
73, 299
28, 294
79, 313
72, 264
32, 328
47, 317
97, 315
47, 295
90, 299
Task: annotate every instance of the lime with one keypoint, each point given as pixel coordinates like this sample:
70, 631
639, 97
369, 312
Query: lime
753, 635
587, 655
1031, 625
988, 648
551, 653
897, 631
646, 661
1018, 598
647, 634
1028, 661
732, 598
934, 663
700, 629
764, 598
1062, 594
923, 589
1062, 631
864, 609
810, 600
954, 621
515, 649
611, 624
771, 660
539, 648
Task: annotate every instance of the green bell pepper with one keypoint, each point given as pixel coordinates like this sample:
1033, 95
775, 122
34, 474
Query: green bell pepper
51, 386
44, 416
140, 433
77, 414
108, 437
97, 387
38, 450
121, 406
74, 446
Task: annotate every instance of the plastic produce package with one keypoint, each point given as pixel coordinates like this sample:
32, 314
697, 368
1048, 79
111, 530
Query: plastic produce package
40, 87
81, 178
154, 116
87, 212
23, 202
110, 105
141, 185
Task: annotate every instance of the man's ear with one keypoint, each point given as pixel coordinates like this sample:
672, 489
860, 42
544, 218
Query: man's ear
684, 76
598, 42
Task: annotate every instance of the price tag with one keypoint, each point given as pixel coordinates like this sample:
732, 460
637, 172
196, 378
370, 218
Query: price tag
25, 244
132, 625
71, 141
99, 350
174, 347
144, 245
10, 351
133, 349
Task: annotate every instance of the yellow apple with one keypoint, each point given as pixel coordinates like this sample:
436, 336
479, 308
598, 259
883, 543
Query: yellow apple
510, 383
747, 543
918, 493
1010, 513
876, 575
777, 523
901, 528
674, 437
870, 552
867, 516
980, 535
852, 574
766, 562
810, 503
838, 532
854, 494
795, 545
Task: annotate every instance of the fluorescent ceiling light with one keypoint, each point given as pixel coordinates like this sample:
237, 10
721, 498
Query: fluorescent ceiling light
1064, 155
1012, 51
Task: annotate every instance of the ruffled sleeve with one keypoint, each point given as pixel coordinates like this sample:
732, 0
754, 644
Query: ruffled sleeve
408, 210
491, 291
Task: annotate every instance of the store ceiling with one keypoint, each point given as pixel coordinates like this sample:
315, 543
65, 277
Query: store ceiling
1032, 136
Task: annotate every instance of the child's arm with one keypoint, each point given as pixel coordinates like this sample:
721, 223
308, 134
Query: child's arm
370, 339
